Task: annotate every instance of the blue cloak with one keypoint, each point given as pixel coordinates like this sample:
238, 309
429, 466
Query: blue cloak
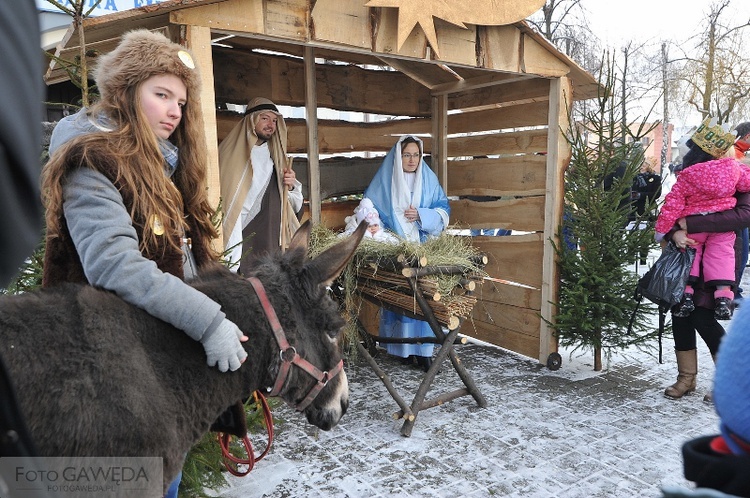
391, 196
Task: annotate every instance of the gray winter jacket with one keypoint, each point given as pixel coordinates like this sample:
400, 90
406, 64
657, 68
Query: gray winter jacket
107, 243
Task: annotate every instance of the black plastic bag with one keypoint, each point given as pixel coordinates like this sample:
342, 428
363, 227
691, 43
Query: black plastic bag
664, 283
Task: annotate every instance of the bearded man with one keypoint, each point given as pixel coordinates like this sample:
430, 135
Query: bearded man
261, 195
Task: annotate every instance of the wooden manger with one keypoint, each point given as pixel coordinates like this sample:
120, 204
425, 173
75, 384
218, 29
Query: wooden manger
412, 287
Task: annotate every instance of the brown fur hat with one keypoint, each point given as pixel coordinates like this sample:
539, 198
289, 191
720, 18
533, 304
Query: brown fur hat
140, 55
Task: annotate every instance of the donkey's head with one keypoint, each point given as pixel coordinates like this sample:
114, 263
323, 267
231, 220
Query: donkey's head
309, 374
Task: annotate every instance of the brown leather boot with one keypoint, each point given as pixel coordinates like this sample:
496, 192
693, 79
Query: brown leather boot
709, 397
687, 368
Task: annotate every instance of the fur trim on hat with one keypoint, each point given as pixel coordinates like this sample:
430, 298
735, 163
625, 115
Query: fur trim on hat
140, 55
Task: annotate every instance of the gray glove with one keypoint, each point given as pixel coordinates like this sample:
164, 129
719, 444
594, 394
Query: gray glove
223, 346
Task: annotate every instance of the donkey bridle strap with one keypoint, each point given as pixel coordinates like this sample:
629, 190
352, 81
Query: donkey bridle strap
289, 354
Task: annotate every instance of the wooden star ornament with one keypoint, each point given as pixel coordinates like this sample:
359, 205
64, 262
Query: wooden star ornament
458, 13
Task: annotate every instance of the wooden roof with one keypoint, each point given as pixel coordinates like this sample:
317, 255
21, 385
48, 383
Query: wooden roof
347, 31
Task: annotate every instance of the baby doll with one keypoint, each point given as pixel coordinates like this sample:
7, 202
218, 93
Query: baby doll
365, 211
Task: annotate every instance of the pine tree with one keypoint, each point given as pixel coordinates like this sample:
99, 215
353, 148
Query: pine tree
597, 247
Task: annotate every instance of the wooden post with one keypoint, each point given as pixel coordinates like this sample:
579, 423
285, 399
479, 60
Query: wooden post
311, 111
439, 139
558, 157
198, 39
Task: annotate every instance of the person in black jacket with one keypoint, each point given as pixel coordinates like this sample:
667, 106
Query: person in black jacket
21, 96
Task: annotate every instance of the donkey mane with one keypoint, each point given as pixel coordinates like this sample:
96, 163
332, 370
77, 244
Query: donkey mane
95, 376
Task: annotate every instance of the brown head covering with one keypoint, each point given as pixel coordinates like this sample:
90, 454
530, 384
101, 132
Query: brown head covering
236, 171
140, 55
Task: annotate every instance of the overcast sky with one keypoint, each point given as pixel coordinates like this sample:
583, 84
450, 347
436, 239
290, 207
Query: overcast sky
617, 22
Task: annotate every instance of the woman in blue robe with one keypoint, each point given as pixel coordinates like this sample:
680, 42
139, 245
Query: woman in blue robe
411, 203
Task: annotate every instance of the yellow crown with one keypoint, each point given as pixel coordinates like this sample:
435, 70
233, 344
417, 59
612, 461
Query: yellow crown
712, 138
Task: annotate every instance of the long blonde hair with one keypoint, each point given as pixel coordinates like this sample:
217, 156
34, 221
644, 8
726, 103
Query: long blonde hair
132, 152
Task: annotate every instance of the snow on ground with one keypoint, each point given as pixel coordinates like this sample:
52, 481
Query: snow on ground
566, 433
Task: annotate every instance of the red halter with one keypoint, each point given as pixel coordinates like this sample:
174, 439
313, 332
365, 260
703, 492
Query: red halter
289, 355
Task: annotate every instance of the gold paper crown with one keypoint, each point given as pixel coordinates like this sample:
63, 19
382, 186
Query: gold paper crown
712, 138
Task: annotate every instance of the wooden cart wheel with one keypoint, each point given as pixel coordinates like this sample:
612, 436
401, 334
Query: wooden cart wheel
554, 361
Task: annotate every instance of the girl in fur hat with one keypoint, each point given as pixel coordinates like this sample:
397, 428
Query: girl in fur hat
124, 189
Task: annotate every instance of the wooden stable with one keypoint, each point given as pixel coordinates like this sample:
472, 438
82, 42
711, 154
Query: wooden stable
492, 109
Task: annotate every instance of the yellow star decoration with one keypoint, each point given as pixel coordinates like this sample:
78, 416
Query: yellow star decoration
478, 12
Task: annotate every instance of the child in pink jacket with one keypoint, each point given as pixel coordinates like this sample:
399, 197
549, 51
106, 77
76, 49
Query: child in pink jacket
706, 187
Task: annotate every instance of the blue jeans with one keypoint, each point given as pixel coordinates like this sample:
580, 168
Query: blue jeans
172, 491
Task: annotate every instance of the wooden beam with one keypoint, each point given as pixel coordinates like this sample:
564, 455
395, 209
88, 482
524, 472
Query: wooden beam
504, 293
287, 19
537, 59
479, 82
199, 41
240, 75
499, 118
514, 257
456, 45
342, 21
339, 137
521, 142
242, 16
504, 337
311, 110
520, 91
508, 316
558, 157
525, 214
338, 175
410, 70
332, 214
506, 176
499, 48
440, 139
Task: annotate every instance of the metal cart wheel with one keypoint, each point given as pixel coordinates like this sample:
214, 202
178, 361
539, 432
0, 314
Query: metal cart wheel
554, 361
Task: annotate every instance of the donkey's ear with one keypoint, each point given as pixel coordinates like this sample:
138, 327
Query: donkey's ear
330, 263
301, 238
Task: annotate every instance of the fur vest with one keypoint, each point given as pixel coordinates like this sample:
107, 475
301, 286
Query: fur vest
62, 262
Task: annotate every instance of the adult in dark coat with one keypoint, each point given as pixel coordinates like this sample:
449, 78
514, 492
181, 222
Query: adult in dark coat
21, 95
20, 135
702, 319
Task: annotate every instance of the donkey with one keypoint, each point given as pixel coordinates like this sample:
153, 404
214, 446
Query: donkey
95, 376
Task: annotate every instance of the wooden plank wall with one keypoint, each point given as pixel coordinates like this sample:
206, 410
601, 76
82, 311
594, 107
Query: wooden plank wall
494, 151
499, 174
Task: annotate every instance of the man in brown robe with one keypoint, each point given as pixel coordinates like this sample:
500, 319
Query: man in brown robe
259, 190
